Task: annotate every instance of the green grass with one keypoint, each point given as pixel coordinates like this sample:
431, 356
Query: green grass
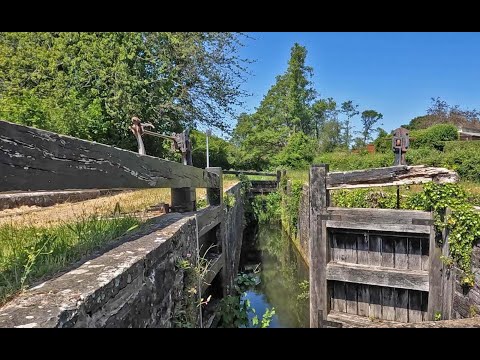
32, 253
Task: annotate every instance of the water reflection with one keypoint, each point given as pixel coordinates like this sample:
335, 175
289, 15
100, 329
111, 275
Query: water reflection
283, 276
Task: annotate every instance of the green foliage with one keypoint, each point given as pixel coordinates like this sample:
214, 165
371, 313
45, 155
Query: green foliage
220, 151
463, 223
90, 84
344, 161
229, 201
298, 153
437, 316
290, 206
201, 203
284, 111
28, 254
267, 208
234, 311
434, 136
304, 293
369, 119
365, 198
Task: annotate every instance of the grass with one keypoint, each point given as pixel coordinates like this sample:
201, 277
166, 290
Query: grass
30, 253
36, 243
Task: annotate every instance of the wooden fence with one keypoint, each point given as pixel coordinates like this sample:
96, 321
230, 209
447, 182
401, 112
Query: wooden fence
376, 263
33, 159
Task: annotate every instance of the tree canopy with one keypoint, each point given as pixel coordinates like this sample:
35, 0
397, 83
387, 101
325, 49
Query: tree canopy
89, 85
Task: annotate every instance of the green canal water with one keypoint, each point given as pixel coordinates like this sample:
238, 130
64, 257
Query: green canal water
282, 276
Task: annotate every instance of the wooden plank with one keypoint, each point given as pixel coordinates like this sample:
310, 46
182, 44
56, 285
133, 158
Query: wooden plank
350, 248
375, 250
401, 305
379, 276
214, 268
388, 176
424, 296
424, 248
318, 242
388, 252
59, 162
238, 172
215, 195
339, 296
351, 298
381, 216
338, 248
363, 299
208, 218
401, 256
375, 307
414, 254
435, 277
417, 229
414, 306
363, 248
388, 304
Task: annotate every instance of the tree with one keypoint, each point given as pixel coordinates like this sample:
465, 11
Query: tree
369, 119
350, 110
322, 111
89, 85
284, 111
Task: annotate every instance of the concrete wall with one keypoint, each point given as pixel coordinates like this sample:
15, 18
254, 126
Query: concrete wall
135, 284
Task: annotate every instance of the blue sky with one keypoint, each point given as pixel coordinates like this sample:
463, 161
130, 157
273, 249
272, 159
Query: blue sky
393, 73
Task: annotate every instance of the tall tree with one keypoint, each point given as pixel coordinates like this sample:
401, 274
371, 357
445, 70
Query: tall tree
90, 84
284, 110
323, 110
350, 110
369, 119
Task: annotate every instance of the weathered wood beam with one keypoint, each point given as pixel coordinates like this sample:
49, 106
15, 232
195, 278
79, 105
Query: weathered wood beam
238, 172
377, 215
388, 176
399, 228
33, 159
208, 218
214, 268
378, 276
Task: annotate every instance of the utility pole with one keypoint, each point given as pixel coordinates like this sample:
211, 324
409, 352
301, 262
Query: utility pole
209, 133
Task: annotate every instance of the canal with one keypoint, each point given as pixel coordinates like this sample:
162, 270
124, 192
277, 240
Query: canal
281, 274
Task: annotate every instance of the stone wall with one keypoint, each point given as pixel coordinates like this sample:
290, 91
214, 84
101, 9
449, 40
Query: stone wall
304, 224
136, 283
233, 227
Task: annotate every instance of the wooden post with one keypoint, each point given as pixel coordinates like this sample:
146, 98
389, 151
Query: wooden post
448, 277
279, 178
318, 246
215, 195
182, 200
435, 270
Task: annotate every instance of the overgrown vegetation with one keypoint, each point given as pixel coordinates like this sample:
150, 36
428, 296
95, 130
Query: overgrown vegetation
29, 254
89, 84
234, 309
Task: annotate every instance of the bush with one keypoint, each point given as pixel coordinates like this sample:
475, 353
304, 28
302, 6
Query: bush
434, 137
298, 153
344, 161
